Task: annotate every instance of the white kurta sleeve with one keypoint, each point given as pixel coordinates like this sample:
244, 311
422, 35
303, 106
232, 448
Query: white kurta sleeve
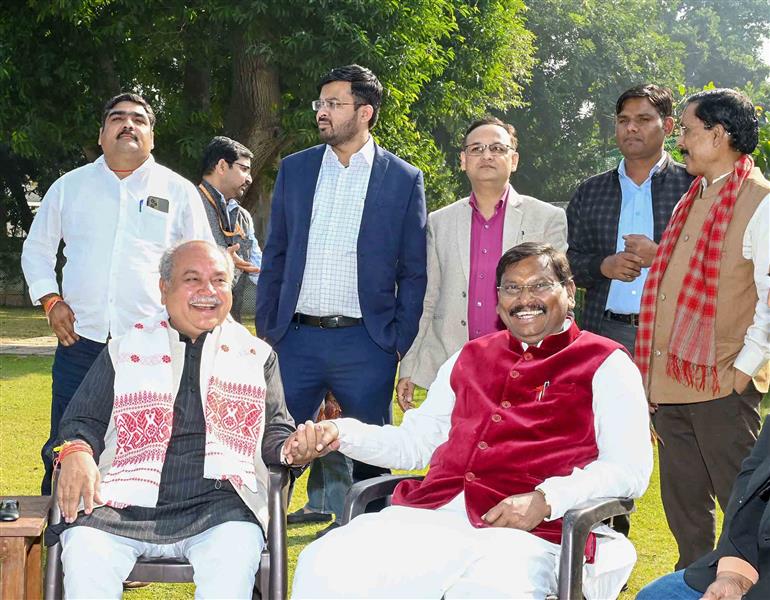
756, 248
411, 444
38, 257
621, 423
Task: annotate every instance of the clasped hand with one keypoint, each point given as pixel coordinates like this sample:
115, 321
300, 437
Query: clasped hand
521, 511
310, 441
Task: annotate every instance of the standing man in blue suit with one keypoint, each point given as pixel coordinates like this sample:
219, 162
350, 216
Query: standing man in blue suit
344, 271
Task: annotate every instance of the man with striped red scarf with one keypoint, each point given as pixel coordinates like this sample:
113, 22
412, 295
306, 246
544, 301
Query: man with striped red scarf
704, 323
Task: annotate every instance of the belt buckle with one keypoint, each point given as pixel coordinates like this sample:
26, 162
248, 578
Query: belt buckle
330, 322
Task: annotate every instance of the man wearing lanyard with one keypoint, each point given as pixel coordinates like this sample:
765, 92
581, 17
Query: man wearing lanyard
616, 218
465, 241
226, 175
115, 216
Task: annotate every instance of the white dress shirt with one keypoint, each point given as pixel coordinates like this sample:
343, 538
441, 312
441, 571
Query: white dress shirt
330, 281
113, 242
756, 248
621, 423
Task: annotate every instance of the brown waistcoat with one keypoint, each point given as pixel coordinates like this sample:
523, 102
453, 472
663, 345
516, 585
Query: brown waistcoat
736, 293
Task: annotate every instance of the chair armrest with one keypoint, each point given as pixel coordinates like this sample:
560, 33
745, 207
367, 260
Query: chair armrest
52, 585
277, 499
363, 492
576, 525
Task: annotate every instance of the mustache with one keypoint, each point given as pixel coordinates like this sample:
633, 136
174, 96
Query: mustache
126, 131
205, 300
525, 307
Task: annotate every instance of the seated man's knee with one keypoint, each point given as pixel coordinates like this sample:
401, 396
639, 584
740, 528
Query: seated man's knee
225, 559
95, 563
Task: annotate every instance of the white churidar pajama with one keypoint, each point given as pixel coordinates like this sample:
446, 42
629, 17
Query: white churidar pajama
224, 558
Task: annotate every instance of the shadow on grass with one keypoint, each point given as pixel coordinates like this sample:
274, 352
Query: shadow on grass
17, 367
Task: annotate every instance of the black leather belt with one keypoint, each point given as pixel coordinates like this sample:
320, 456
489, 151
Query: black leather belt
630, 319
326, 322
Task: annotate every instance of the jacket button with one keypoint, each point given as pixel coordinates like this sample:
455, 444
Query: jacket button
483, 445
527, 356
514, 374
469, 476
658, 353
462, 323
505, 404
663, 296
686, 237
496, 418
464, 295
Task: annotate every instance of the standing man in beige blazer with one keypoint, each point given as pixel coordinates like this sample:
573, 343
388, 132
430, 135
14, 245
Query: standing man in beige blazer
465, 241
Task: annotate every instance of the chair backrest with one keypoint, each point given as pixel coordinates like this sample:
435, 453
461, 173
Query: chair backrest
272, 579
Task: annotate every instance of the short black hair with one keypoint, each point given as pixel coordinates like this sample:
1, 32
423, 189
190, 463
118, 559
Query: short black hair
128, 97
364, 85
222, 147
660, 97
558, 259
732, 110
490, 120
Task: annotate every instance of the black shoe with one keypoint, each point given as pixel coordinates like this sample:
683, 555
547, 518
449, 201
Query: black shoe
327, 529
300, 516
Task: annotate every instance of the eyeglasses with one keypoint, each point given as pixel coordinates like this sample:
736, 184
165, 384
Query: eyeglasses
331, 104
495, 149
539, 289
684, 131
244, 168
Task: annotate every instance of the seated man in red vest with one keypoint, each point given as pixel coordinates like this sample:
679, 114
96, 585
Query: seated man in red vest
518, 427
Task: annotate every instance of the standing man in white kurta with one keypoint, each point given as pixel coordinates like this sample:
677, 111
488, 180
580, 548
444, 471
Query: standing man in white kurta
465, 241
519, 427
115, 216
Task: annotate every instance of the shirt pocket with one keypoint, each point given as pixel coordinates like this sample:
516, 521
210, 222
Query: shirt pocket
153, 225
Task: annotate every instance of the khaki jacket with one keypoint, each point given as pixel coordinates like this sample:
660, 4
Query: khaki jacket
444, 322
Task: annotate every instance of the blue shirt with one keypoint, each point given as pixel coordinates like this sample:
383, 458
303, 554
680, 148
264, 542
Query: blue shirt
635, 217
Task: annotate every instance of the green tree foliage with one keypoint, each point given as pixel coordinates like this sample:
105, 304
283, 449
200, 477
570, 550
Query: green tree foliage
588, 52
249, 70
722, 40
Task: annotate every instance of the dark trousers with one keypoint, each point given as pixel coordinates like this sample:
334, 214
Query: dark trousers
622, 333
70, 365
703, 445
361, 376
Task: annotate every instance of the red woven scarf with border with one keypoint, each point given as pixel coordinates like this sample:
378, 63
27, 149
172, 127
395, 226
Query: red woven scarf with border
692, 347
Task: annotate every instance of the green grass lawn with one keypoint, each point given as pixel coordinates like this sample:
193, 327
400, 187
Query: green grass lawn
22, 322
25, 385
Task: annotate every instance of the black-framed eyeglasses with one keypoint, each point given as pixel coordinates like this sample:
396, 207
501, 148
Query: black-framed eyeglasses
496, 149
331, 104
539, 289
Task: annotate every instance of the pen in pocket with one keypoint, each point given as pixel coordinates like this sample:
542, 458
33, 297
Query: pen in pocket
140, 205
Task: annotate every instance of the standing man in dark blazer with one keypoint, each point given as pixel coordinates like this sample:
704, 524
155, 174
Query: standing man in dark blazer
739, 567
616, 219
344, 267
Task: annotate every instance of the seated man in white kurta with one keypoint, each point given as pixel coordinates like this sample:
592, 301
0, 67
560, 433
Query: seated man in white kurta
519, 427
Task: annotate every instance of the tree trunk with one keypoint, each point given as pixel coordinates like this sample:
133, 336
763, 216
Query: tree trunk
253, 119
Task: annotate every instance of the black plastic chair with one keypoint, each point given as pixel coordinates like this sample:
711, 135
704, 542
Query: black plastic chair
577, 524
272, 581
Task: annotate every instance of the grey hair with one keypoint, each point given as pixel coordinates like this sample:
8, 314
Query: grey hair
166, 266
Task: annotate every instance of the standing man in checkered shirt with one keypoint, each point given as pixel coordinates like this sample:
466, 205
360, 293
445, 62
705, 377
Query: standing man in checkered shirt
616, 218
343, 271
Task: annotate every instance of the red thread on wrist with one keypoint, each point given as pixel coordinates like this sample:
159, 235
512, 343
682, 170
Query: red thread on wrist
70, 448
51, 302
